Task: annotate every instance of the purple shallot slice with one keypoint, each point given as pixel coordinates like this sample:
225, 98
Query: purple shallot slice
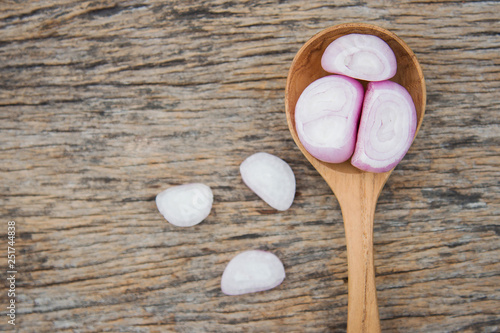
271, 178
326, 117
185, 205
386, 129
361, 56
252, 271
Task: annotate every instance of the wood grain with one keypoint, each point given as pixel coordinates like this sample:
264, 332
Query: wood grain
103, 104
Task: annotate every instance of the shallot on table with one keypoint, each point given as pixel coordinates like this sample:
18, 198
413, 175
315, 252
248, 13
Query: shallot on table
326, 117
361, 56
387, 127
185, 205
270, 178
252, 271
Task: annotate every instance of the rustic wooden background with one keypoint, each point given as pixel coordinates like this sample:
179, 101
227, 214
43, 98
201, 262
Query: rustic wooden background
103, 104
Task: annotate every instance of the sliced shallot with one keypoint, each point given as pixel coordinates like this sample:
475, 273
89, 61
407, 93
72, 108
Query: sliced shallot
387, 127
326, 117
252, 271
185, 205
364, 57
270, 178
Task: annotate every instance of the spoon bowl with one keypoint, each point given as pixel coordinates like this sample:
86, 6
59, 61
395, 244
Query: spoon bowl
356, 191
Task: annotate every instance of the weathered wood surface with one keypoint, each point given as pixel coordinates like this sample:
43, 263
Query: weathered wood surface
105, 103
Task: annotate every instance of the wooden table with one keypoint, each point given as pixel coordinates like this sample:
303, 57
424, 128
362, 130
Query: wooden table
104, 104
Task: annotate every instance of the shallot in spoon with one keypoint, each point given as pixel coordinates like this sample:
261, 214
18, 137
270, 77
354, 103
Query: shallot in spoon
357, 191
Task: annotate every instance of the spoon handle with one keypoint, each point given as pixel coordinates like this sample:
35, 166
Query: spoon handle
358, 210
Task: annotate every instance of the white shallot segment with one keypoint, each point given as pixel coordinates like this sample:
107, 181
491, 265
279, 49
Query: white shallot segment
270, 178
387, 127
361, 56
326, 117
185, 205
252, 271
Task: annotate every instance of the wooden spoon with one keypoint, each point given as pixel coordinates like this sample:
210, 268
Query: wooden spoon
356, 191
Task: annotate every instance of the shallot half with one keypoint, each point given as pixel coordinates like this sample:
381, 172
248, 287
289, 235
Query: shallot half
364, 57
326, 117
387, 127
270, 178
252, 271
185, 205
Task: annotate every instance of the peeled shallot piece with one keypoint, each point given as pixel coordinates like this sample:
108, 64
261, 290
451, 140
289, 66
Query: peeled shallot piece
387, 127
252, 271
364, 57
185, 205
270, 178
326, 117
